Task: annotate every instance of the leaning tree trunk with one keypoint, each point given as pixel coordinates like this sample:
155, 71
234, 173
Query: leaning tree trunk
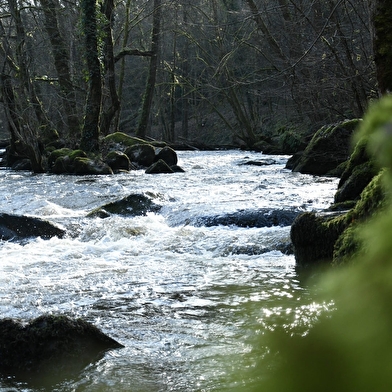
382, 21
150, 87
90, 132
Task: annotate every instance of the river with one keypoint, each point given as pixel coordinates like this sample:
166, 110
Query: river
184, 299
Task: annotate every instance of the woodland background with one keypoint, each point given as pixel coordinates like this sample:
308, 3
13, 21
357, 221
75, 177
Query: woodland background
219, 72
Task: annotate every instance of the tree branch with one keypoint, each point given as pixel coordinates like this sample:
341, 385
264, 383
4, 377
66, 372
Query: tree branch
132, 52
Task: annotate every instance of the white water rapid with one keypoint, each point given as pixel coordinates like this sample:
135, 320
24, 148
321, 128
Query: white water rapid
185, 300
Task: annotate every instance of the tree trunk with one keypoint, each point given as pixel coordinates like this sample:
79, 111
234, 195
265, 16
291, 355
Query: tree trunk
90, 132
61, 62
382, 20
150, 87
114, 102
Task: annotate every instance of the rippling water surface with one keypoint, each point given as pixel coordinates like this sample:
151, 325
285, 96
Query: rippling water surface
185, 301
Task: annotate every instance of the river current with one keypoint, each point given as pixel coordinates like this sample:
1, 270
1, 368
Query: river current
185, 300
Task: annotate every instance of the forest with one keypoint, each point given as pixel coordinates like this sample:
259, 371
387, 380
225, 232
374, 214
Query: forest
217, 72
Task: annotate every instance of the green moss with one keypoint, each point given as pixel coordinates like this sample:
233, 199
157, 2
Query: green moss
346, 246
54, 155
376, 128
372, 200
77, 154
124, 139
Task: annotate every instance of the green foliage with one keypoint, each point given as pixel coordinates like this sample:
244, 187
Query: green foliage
377, 129
350, 349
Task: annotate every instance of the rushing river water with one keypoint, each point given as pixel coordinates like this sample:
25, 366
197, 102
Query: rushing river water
185, 300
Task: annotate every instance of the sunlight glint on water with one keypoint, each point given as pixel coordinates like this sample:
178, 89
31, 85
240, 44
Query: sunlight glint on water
184, 300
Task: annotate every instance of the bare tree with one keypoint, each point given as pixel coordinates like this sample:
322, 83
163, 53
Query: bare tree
152, 72
90, 132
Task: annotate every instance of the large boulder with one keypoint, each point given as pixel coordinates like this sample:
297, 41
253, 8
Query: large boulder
118, 161
359, 171
67, 161
167, 154
17, 227
329, 147
50, 348
85, 166
132, 205
141, 154
159, 167
331, 237
314, 236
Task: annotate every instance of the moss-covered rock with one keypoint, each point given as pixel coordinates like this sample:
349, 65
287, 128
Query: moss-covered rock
123, 139
314, 237
61, 152
329, 147
331, 238
67, 161
352, 188
85, 166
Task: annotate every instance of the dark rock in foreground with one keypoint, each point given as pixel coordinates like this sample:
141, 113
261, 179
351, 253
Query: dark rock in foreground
15, 227
50, 348
250, 218
132, 205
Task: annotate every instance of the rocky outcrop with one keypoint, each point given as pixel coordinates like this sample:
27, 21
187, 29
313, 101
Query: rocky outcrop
143, 153
17, 227
50, 348
132, 205
329, 148
359, 171
314, 236
67, 161
330, 237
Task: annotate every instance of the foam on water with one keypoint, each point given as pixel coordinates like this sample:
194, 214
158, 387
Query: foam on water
184, 300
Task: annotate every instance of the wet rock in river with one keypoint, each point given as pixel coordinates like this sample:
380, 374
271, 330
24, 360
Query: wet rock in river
141, 154
16, 227
167, 154
132, 205
250, 218
118, 161
159, 167
50, 347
